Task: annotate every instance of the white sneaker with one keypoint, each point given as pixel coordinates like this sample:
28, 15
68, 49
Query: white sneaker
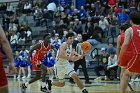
137, 79
18, 77
29, 76
24, 77
14, 77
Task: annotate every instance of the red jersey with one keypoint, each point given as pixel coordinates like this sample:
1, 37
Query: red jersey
129, 48
41, 53
136, 39
3, 78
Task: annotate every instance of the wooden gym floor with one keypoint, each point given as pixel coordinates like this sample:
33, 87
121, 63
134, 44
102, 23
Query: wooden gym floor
95, 87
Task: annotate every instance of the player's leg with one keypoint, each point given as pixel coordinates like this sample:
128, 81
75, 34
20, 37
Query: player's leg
60, 73
4, 89
72, 74
43, 83
37, 77
3, 80
124, 81
79, 83
51, 75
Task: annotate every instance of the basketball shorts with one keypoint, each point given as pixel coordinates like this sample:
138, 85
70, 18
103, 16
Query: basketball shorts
3, 78
62, 70
134, 64
125, 59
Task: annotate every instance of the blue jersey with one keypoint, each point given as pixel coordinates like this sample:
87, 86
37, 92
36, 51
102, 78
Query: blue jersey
49, 61
17, 61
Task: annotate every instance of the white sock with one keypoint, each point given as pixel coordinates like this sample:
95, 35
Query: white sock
26, 84
43, 84
83, 88
14, 75
51, 77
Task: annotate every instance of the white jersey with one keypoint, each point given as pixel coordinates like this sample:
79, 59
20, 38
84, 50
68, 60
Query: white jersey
61, 61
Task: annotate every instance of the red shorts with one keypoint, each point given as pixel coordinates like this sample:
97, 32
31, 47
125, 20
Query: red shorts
35, 62
126, 57
3, 78
134, 64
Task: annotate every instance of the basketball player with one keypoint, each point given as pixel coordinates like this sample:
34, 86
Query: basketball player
120, 41
42, 48
132, 37
6, 47
63, 67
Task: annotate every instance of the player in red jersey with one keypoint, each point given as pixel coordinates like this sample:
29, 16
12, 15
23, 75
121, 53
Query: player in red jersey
132, 37
120, 41
42, 48
6, 47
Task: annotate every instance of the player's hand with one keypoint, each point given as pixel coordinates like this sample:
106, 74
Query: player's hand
85, 54
74, 58
12, 69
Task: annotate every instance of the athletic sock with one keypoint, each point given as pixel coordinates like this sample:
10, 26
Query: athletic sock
43, 84
26, 84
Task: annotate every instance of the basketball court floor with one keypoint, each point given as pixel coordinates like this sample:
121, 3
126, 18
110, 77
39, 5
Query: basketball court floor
95, 87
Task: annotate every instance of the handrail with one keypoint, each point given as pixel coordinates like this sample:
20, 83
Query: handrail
95, 49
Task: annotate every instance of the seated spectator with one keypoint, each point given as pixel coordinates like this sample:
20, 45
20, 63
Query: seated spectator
102, 65
123, 17
112, 66
14, 41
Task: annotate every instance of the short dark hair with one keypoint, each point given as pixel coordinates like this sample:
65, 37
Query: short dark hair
112, 52
124, 26
46, 35
135, 17
69, 34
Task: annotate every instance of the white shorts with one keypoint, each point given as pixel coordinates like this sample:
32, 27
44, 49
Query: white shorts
63, 70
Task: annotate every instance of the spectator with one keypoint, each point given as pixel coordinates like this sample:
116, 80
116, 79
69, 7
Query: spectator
14, 41
103, 23
111, 49
112, 66
102, 65
123, 17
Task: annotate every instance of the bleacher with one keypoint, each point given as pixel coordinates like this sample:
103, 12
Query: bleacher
38, 32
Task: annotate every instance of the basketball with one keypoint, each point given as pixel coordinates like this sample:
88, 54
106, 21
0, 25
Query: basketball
86, 46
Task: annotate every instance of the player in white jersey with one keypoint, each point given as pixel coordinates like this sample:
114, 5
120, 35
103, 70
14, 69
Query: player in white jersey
63, 67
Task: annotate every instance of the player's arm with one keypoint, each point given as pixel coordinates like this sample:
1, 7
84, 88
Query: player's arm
35, 47
118, 46
62, 52
128, 36
7, 49
6, 46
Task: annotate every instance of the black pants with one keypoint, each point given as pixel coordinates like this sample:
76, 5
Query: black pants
81, 62
99, 68
112, 72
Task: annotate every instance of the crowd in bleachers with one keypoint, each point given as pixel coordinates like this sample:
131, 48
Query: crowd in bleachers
96, 20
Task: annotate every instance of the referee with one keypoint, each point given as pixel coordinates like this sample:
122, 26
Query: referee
77, 47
